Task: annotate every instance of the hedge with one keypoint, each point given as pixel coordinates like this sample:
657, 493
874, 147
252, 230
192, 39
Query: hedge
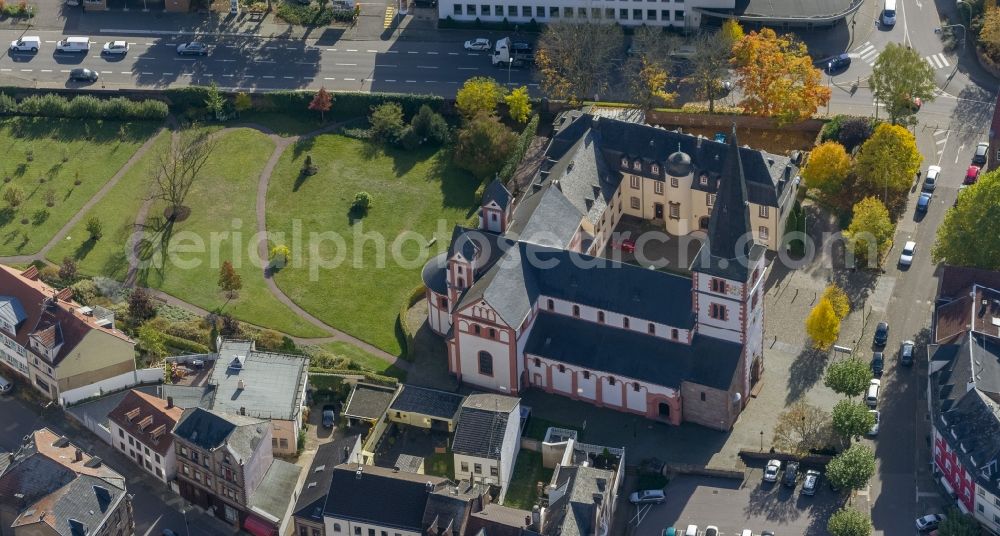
413, 297
370, 376
83, 107
523, 141
174, 341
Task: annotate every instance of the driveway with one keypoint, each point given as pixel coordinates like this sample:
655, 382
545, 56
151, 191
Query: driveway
732, 506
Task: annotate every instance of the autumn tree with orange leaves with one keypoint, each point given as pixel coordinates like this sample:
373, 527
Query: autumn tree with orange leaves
777, 77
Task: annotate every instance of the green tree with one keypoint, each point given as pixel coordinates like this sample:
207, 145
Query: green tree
280, 254
215, 103
827, 168
68, 270
95, 229
321, 102
849, 377
518, 104
230, 282
802, 428
429, 125
961, 239
362, 202
958, 524
731, 32
888, 162
870, 232
853, 468
648, 85
822, 325
849, 521
838, 299
852, 419
577, 61
478, 95
14, 196
386, 122
483, 145
900, 75
151, 342
710, 64
242, 102
140, 306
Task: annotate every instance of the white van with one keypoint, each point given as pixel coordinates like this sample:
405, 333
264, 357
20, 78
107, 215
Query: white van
28, 43
74, 44
889, 13
5, 386
871, 397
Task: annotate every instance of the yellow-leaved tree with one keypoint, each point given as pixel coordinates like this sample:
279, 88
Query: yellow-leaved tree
827, 168
731, 32
479, 94
870, 232
822, 325
838, 299
887, 164
518, 104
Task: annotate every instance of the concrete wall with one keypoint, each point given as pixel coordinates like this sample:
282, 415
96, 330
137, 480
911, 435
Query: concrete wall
284, 429
509, 449
112, 383
96, 357
256, 467
715, 411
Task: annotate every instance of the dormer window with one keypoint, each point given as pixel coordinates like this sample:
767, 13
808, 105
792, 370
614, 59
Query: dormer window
637, 165
655, 169
625, 162
703, 180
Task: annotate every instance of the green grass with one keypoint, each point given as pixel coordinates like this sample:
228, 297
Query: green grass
60, 150
442, 465
536, 428
364, 359
416, 191
286, 124
528, 472
222, 207
117, 212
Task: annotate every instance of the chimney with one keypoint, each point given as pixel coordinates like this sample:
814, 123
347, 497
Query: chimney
357, 474
170, 402
527, 521
78, 455
598, 499
240, 385
429, 486
536, 518
243, 410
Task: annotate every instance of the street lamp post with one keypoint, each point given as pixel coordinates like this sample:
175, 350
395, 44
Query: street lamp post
187, 529
762, 441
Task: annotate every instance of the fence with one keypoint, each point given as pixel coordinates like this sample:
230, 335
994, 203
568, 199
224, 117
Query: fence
94, 426
110, 385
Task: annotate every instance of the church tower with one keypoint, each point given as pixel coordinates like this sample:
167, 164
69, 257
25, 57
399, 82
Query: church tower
728, 275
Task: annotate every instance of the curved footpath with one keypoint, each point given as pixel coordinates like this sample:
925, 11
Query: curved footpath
280, 144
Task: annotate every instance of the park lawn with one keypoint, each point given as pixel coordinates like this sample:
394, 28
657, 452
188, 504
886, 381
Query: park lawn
117, 212
364, 359
222, 204
414, 192
60, 149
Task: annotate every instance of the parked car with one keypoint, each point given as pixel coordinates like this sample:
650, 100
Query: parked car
478, 44
168, 532
83, 75
923, 202
625, 244
791, 474
929, 521
772, 470
647, 496
767, 533
669, 531
811, 482
906, 353
329, 416
878, 363
837, 63
930, 180
874, 429
982, 153
906, 256
73, 44
691, 530
115, 47
711, 530
193, 48
881, 333
28, 43
971, 175
6, 386
871, 396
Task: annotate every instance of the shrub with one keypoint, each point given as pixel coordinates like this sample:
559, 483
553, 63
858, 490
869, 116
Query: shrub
85, 291
184, 345
84, 106
523, 141
386, 122
7, 104
362, 202
186, 329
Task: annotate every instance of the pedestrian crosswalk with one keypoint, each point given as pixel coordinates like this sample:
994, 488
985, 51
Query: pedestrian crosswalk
938, 61
866, 52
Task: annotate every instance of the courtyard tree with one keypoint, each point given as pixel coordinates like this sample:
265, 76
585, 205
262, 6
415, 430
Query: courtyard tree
899, 76
852, 419
853, 468
483, 145
961, 239
95, 229
854, 131
870, 233
822, 325
958, 524
321, 102
518, 104
777, 77
477, 95
710, 62
576, 61
887, 164
802, 428
838, 299
848, 377
230, 282
848, 521
178, 167
827, 168
386, 122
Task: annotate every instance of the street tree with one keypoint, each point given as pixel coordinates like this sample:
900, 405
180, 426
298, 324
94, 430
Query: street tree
887, 164
321, 102
822, 325
852, 419
870, 233
95, 229
958, 524
961, 239
482, 146
849, 521
838, 299
230, 282
178, 167
710, 62
13, 196
827, 168
386, 122
576, 61
477, 95
989, 33
899, 76
853, 468
802, 428
518, 104
777, 77
849, 377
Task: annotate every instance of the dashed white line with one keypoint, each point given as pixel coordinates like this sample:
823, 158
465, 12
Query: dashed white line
468, 68
168, 74
331, 50
367, 79
384, 65
392, 52
349, 79
346, 64
370, 51
46, 70
389, 80
8, 70
47, 41
412, 52
227, 76
226, 61
267, 76
426, 66
305, 62
270, 48
170, 44
432, 53
328, 78
352, 50
430, 81
411, 81
102, 72
125, 72
289, 77
144, 73
453, 53
29, 70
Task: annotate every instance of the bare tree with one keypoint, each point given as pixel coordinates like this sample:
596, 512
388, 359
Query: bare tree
647, 70
179, 166
802, 428
711, 62
576, 61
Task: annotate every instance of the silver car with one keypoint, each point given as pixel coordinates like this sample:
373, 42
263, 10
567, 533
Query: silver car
115, 47
193, 48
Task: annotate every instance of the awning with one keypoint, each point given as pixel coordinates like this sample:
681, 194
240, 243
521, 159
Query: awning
947, 486
258, 527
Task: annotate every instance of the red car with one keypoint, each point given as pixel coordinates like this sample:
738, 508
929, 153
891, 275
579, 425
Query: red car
971, 175
625, 244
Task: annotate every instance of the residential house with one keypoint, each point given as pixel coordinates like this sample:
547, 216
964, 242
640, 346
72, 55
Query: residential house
225, 465
54, 343
308, 511
51, 487
425, 408
487, 439
140, 428
351, 511
536, 306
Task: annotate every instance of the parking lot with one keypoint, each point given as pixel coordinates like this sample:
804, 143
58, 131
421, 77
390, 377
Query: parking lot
732, 506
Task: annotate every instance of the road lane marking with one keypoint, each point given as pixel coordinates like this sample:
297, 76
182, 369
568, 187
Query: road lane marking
29, 70
267, 76
226, 61
331, 50
8, 70
289, 77
146, 73
367, 79
227, 76
411, 81
349, 80
389, 80
430, 81
384, 65
472, 54
392, 52
125, 72
426, 66
412, 52
328, 78
453, 53
432, 53
372, 51
47, 41
352, 50
959, 152
270, 48
46, 70
305, 62
468, 68
346, 64
168, 74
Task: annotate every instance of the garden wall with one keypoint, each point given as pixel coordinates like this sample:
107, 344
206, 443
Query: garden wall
115, 383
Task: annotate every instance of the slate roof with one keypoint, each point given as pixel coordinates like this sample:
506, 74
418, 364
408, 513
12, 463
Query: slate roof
498, 520
706, 361
364, 499
482, 423
435, 274
189, 396
210, 430
87, 500
312, 498
369, 401
575, 511
11, 306
162, 419
425, 401
496, 191
552, 222
275, 491
273, 383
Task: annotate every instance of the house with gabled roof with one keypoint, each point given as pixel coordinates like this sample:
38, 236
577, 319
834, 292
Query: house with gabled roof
487, 439
140, 429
